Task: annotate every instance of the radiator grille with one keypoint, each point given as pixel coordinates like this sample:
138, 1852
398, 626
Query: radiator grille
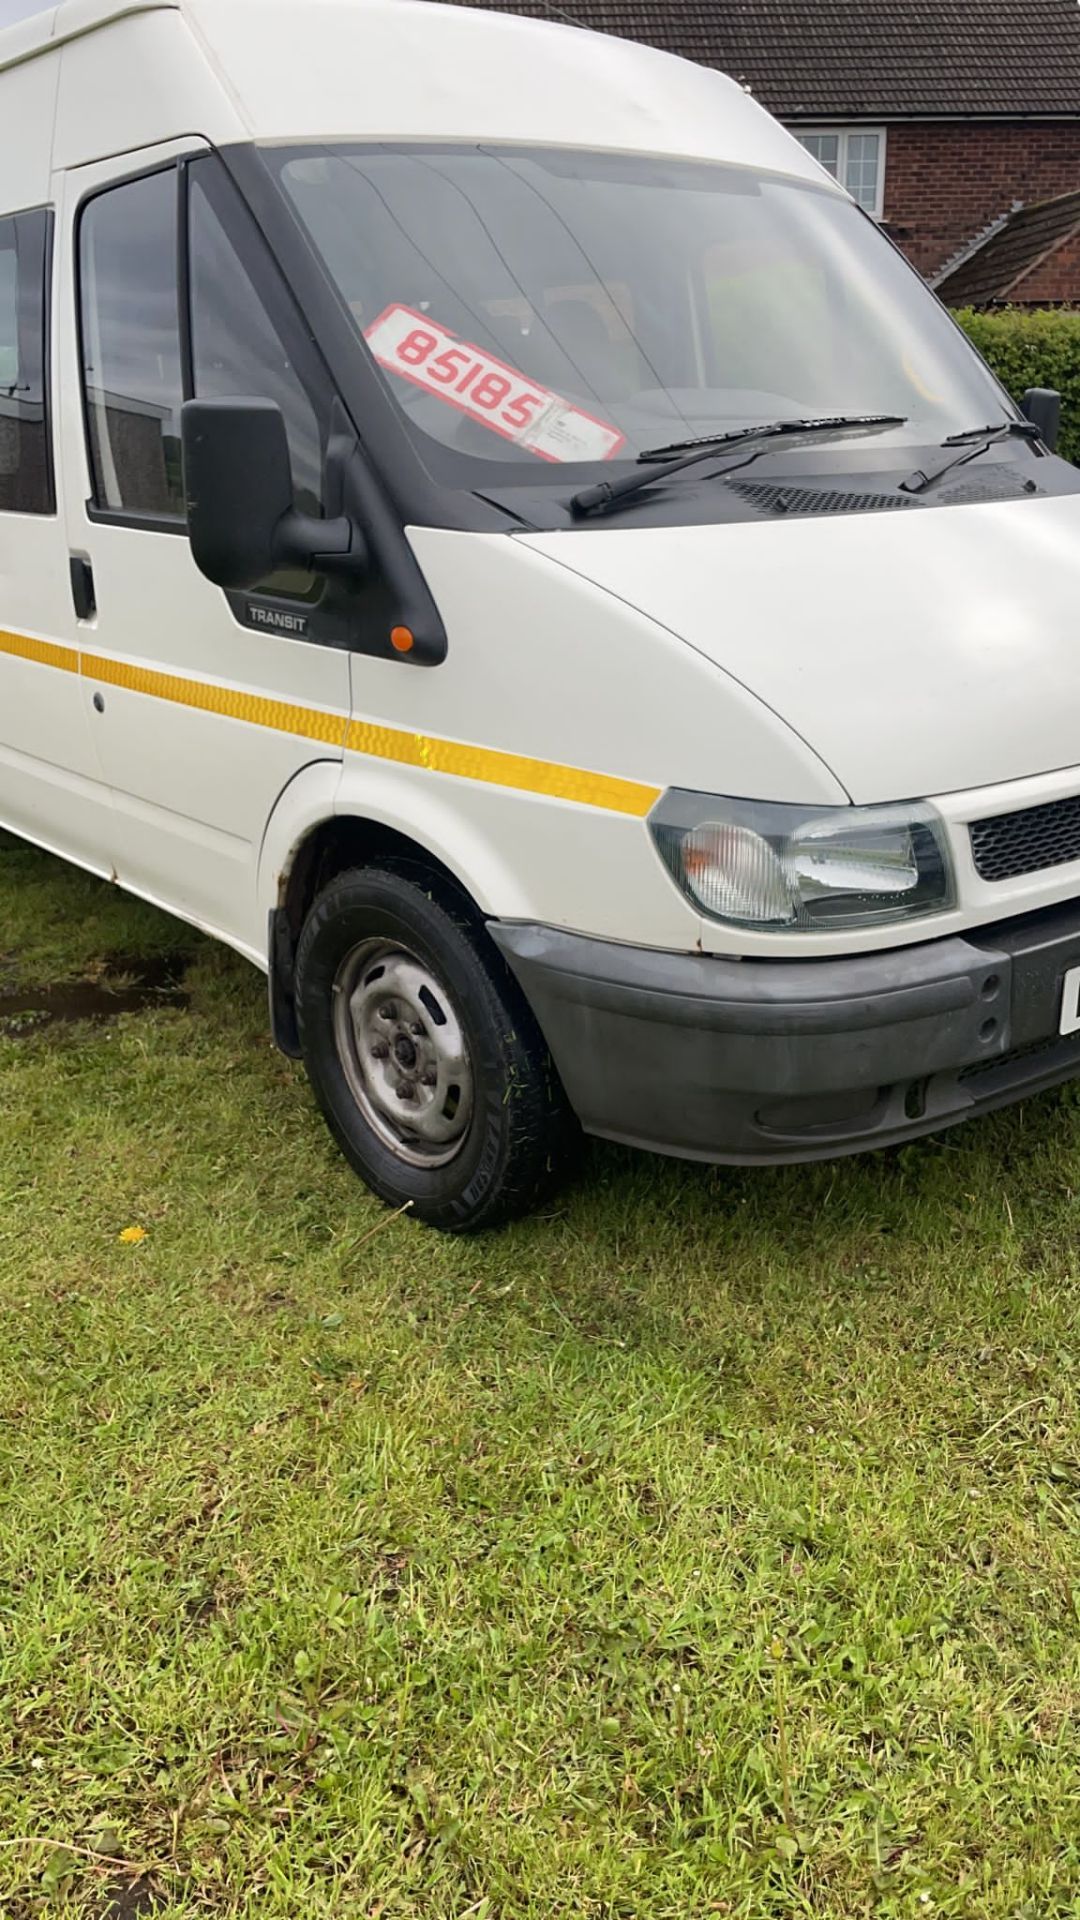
1015, 843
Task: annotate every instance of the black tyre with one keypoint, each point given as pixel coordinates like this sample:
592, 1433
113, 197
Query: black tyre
430, 1070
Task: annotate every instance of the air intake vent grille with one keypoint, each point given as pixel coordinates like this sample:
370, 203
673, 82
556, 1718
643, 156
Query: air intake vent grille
1016, 843
996, 483
775, 499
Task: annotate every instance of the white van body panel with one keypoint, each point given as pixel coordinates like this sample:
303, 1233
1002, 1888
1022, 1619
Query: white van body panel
539, 668
24, 39
26, 128
169, 91
577, 672
395, 69
383, 69
49, 784
73, 18
898, 704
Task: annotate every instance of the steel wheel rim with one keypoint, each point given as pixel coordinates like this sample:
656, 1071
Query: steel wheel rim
404, 1053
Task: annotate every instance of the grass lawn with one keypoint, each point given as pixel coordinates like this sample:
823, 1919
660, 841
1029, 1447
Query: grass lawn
708, 1546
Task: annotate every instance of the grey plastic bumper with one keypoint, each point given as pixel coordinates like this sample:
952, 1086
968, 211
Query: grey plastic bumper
763, 1060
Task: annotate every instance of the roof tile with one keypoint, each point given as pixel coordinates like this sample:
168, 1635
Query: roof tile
987, 275
807, 59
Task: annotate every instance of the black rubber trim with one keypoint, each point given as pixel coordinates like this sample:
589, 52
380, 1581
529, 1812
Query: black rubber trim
763, 1061
282, 985
135, 522
787, 997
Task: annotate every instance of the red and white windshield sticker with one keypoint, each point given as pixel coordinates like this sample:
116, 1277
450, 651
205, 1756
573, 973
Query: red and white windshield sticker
474, 382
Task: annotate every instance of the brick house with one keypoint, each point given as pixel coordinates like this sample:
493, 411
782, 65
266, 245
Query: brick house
941, 116
1028, 258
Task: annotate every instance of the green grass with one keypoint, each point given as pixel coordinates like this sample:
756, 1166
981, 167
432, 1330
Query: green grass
708, 1546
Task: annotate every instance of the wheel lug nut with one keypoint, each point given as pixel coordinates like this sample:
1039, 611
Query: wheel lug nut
389, 1012
417, 1032
430, 1080
406, 1091
380, 1051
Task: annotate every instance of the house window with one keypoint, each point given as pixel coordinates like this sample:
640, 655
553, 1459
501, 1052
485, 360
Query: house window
855, 157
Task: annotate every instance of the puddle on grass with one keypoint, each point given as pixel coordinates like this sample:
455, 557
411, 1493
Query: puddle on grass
124, 985
130, 1900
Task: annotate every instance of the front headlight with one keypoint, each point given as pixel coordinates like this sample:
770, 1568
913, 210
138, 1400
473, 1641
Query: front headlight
813, 869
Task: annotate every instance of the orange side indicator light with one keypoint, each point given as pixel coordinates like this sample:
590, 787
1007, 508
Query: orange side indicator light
402, 639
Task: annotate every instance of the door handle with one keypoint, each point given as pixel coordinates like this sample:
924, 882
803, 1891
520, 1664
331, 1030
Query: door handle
82, 587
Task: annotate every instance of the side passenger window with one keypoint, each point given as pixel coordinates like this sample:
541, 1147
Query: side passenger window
26, 477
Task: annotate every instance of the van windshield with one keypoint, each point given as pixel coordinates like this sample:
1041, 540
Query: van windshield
549, 309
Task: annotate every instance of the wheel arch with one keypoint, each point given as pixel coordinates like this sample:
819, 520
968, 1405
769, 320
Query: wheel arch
314, 835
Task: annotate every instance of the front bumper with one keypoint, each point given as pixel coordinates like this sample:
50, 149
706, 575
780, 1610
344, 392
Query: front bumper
746, 1061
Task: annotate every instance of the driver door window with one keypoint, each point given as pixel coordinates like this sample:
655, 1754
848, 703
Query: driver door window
130, 331
245, 341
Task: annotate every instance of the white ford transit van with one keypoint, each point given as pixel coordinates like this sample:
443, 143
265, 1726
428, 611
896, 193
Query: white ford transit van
490, 530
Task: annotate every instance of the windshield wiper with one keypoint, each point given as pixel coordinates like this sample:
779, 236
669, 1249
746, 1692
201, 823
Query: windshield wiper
608, 493
986, 437
998, 430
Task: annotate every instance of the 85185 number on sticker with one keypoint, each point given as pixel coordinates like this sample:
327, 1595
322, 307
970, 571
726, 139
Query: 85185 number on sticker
490, 392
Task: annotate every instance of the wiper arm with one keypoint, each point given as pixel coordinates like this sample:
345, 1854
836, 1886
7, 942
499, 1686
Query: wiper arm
987, 437
999, 430
773, 430
608, 493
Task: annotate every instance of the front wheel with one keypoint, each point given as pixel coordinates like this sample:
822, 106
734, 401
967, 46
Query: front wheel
425, 1060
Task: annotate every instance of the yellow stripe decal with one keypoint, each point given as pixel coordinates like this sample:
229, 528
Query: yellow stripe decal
502, 769
311, 723
452, 757
42, 652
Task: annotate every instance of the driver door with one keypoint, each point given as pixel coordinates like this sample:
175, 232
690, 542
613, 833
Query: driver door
204, 706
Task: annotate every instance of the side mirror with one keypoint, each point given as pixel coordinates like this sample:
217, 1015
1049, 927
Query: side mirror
241, 509
1042, 406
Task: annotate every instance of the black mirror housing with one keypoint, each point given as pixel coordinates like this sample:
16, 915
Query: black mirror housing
1042, 406
238, 488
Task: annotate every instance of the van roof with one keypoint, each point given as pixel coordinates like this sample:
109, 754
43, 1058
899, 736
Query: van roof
51, 26
276, 70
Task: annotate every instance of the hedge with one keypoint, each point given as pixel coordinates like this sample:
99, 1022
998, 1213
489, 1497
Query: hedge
1034, 350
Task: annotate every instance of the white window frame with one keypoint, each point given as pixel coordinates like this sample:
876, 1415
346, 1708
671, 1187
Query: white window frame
843, 133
